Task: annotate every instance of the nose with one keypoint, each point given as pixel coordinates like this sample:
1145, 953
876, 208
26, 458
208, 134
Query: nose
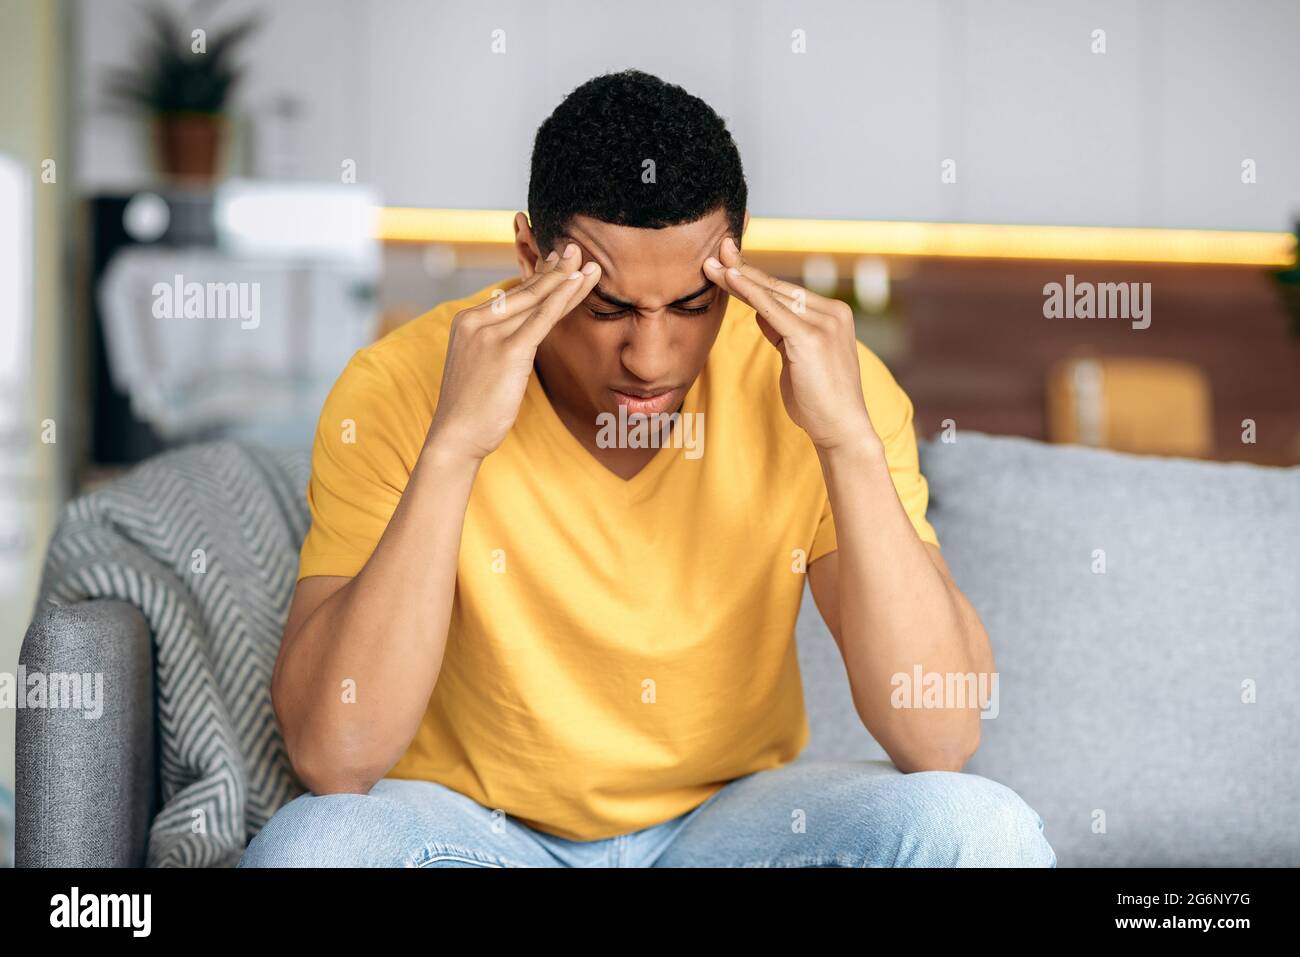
648, 350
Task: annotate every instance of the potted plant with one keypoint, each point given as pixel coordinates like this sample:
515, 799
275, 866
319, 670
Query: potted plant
184, 82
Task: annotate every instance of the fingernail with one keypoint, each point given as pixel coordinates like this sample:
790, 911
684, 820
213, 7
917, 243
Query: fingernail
570, 250
575, 275
733, 272
589, 268
553, 256
712, 263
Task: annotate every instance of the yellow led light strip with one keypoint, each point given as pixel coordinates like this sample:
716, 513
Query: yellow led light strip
885, 238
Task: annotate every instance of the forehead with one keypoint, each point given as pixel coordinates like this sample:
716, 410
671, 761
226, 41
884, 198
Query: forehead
649, 267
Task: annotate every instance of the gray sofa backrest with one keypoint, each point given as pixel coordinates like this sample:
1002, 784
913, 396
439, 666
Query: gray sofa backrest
1151, 712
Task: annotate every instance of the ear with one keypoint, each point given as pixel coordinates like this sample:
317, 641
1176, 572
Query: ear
744, 227
525, 246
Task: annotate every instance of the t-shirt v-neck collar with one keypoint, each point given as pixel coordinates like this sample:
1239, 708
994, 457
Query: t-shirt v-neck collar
549, 421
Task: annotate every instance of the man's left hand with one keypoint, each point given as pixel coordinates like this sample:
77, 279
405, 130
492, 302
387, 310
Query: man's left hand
821, 382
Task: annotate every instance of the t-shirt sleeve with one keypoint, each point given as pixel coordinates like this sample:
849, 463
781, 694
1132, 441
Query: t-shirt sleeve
358, 469
891, 415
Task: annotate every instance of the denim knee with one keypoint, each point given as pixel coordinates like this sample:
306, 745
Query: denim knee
328, 830
958, 819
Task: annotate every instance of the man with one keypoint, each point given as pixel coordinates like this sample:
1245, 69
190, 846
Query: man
545, 617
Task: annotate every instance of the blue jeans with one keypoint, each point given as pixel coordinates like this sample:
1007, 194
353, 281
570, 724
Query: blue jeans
809, 814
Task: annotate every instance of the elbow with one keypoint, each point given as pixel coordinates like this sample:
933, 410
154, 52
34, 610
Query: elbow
936, 761
321, 780
319, 761
951, 754
323, 770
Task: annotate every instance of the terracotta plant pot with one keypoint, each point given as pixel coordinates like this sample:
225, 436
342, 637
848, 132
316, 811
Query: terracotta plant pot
189, 145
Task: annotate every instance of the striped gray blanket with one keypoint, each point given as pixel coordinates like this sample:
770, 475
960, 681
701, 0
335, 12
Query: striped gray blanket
204, 541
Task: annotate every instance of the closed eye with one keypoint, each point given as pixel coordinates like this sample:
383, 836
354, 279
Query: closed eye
620, 313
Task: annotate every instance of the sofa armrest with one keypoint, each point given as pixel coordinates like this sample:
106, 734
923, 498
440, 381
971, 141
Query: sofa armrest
86, 786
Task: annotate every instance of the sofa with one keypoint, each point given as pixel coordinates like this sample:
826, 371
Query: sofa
1144, 614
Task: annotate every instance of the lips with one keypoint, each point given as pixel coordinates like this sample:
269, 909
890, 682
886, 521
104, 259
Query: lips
648, 404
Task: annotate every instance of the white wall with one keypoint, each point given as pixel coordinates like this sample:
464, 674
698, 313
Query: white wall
1152, 133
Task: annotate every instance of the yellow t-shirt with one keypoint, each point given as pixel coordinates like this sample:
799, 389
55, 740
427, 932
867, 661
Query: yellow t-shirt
618, 650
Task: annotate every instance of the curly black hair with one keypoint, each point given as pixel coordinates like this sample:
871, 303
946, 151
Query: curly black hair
589, 159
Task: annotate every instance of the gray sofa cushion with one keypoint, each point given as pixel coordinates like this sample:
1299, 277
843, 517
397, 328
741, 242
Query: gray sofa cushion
1122, 693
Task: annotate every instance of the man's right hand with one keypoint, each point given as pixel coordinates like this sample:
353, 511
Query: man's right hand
491, 351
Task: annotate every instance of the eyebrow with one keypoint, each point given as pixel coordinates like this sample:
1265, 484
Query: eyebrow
614, 301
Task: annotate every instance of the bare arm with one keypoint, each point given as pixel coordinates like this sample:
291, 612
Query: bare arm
382, 633
891, 604
886, 595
